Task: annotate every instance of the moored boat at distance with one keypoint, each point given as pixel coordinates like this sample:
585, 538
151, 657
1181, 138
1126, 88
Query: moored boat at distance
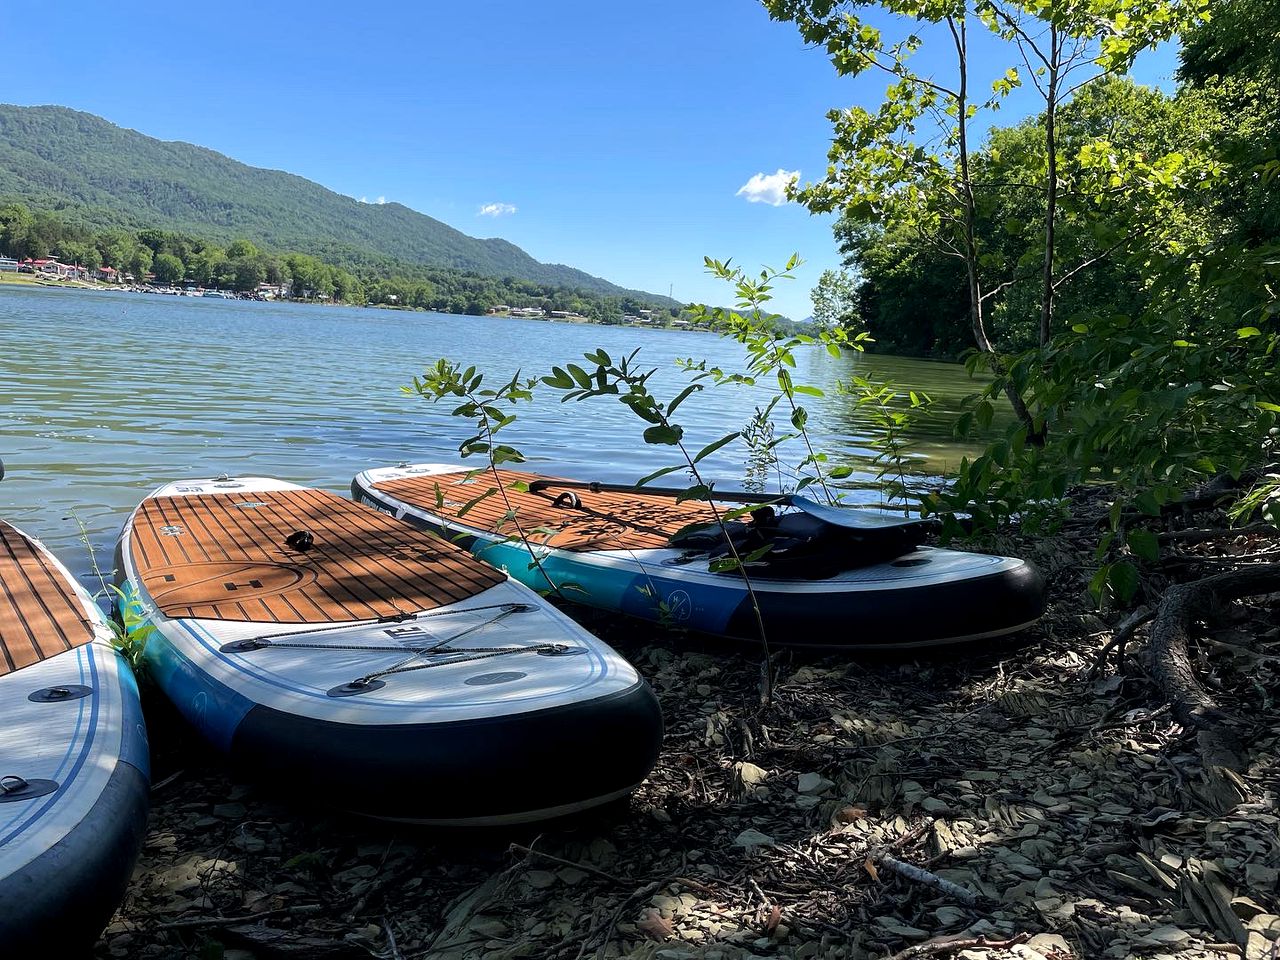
74, 767
833, 578
371, 667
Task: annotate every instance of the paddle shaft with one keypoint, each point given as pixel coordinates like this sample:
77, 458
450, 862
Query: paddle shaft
595, 486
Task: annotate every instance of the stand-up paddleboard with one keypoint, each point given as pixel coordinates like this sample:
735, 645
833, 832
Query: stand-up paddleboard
834, 578
73, 759
373, 667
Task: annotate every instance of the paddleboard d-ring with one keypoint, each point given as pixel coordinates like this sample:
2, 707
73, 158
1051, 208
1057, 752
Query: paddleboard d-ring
353, 688
561, 650
70, 691
14, 789
244, 646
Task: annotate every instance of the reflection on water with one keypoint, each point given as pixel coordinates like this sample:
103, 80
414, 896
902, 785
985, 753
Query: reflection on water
105, 396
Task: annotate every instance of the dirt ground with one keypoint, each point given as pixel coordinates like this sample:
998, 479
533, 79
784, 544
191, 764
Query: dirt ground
994, 803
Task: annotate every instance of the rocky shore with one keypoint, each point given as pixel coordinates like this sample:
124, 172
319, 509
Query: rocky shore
1030, 802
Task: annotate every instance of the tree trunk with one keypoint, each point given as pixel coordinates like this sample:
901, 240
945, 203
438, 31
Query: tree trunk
1051, 188
980, 336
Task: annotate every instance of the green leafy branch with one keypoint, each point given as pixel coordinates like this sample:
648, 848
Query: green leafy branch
629, 384
489, 409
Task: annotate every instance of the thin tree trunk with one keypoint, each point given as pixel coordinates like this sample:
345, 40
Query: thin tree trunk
966, 188
980, 335
1051, 188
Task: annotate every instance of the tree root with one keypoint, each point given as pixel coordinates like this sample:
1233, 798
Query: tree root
1170, 656
1204, 535
1123, 634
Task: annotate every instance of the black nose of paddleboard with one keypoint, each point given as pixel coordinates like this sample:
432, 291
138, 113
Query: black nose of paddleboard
1, 469
300, 540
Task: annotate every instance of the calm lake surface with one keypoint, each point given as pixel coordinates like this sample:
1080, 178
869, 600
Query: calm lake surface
104, 396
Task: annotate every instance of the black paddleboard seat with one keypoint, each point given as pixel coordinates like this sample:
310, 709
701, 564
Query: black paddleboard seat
852, 518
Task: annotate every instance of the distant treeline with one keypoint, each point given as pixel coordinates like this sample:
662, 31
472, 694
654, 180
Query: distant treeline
176, 258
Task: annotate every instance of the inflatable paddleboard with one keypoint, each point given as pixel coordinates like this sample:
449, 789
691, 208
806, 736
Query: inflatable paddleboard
834, 577
375, 668
73, 758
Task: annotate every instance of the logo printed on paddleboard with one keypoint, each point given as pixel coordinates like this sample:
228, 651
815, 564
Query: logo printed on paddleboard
679, 606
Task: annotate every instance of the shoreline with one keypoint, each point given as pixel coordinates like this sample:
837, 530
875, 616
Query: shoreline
30, 280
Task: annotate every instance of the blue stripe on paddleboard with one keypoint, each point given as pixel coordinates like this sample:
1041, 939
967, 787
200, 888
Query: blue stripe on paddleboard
80, 760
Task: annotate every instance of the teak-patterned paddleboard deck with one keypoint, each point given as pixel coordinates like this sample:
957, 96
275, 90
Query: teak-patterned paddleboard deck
41, 615
604, 521
224, 556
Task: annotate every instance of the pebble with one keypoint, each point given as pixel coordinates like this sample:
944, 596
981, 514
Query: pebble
540, 879
753, 839
813, 783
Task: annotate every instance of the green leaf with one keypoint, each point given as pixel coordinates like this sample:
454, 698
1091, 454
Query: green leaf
670, 435
1144, 544
682, 396
716, 445
1098, 583
1244, 333
658, 473
697, 492
1124, 580
581, 376
466, 507
558, 379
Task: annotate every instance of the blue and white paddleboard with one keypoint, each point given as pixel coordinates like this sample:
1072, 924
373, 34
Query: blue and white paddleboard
365, 665
73, 758
624, 553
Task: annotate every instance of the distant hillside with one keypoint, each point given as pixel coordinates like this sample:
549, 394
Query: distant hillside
57, 158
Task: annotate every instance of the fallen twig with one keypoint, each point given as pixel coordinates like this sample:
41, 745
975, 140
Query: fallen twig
584, 867
300, 910
157, 787
933, 948
920, 875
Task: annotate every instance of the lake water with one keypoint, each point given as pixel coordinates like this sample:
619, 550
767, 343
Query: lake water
104, 396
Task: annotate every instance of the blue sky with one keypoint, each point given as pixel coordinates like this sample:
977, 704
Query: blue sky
610, 136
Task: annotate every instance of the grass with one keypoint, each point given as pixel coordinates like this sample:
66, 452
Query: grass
37, 280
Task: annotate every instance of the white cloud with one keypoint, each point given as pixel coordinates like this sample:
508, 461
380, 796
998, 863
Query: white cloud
496, 210
377, 200
770, 188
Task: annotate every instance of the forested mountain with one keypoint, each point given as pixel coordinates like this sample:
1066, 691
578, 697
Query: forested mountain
90, 170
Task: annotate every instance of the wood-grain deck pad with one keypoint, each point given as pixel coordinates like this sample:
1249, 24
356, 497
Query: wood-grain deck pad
604, 521
40, 613
224, 557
